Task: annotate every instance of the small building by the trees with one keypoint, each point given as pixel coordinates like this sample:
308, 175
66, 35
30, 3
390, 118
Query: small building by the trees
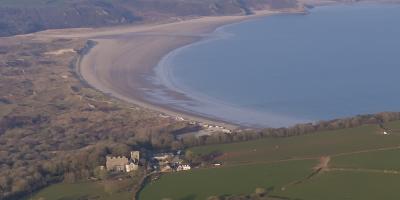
122, 163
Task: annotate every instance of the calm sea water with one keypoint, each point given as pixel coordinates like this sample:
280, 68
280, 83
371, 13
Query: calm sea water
335, 62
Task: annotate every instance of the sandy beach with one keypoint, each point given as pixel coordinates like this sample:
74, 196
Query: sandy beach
124, 57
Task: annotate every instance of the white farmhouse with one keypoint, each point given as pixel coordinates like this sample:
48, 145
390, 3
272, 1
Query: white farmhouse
183, 168
131, 167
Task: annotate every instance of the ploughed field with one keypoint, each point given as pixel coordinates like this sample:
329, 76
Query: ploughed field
357, 163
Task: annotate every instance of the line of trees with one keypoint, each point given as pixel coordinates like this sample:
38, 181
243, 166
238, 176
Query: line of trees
296, 130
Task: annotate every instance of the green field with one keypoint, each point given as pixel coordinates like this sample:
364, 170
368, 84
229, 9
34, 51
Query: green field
115, 190
347, 186
311, 145
393, 126
366, 175
359, 160
202, 183
381, 160
363, 165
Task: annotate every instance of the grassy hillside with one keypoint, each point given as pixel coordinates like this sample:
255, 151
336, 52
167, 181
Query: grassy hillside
376, 160
311, 145
347, 185
85, 190
241, 179
358, 164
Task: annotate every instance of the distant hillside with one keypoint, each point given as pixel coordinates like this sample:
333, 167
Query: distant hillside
26, 16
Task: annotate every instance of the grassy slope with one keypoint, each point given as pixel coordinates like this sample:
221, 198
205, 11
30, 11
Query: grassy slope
382, 160
238, 178
312, 145
84, 190
201, 183
394, 126
257, 164
347, 186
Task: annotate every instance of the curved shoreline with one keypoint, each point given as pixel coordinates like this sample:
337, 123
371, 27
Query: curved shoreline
122, 63
137, 98
176, 84
215, 108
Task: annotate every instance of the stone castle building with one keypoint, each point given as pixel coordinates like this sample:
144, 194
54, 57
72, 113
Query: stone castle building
116, 163
122, 163
135, 156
